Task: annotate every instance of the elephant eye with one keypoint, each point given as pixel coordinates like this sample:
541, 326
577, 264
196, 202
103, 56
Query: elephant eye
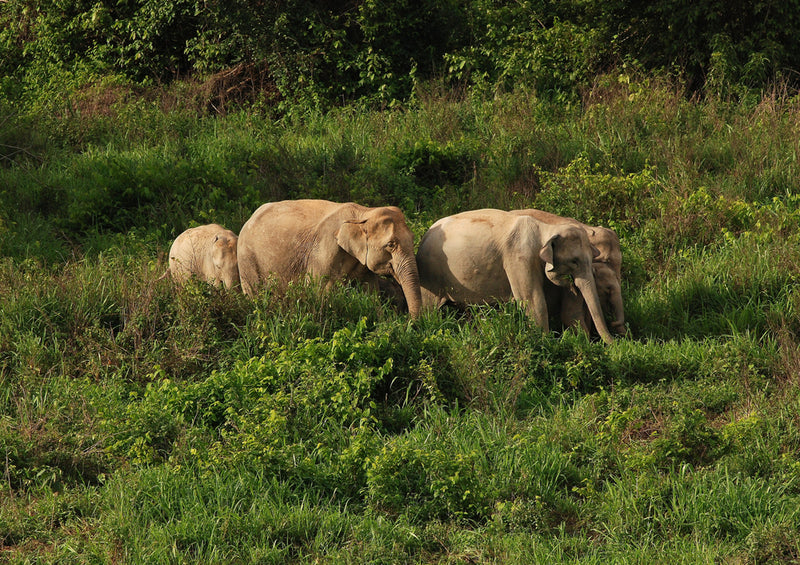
391, 246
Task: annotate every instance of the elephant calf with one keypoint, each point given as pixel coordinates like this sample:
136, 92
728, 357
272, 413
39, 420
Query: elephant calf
208, 252
571, 310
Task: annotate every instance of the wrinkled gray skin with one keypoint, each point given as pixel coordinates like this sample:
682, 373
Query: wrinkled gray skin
488, 255
294, 238
607, 266
207, 252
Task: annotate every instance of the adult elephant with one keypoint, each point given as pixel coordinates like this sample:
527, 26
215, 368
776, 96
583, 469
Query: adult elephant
293, 238
491, 255
607, 267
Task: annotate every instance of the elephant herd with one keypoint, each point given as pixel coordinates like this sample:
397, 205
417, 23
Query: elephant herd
554, 266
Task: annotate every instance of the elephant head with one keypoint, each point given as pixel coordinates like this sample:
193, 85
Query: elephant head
607, 243
568, 256
381, 241
224, 259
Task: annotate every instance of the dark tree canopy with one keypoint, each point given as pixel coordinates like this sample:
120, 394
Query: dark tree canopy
324, 53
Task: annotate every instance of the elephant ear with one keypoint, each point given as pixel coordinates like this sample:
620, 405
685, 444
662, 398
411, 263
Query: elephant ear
546, 252
353, 238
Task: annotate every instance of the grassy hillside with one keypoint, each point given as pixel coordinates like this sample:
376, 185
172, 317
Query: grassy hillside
144, 423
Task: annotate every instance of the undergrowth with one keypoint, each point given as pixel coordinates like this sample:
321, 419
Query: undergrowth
141, 421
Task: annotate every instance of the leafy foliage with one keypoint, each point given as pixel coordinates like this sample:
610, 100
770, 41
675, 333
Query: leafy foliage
141, 421
306, 54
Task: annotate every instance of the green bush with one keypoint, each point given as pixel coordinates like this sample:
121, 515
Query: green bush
432, 169
622, 202
313, 392
468, 468
146, 421
428, 482
529, 44
307, 54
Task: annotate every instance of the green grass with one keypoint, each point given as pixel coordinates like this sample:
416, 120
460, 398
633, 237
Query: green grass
145, 423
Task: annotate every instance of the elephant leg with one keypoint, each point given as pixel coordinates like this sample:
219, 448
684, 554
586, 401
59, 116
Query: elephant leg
530, 292
391, 290
247, 274
387, 288
552, 295
572, 309
430, 300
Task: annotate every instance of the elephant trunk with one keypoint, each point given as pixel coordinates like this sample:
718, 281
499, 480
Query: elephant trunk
231, 281
407, 275
589, 292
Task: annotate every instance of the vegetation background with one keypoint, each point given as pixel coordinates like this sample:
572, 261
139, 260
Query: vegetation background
143, 423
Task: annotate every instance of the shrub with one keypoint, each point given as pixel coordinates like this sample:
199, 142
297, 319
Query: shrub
312, 400
581, 191
467, 467
527, 44
436, 172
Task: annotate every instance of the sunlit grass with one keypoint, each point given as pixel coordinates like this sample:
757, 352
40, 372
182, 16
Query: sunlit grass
145, 422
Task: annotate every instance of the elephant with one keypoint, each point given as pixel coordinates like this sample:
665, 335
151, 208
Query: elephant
489, 255
571, 305
207, 252
339, 241
609, 290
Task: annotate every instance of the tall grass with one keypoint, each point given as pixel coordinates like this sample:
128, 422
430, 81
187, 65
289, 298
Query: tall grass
141, 421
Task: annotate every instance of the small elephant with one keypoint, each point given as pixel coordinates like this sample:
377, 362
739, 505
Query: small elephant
572, 309
208, 252
610, 292
491, 255
571, 305
339, 241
